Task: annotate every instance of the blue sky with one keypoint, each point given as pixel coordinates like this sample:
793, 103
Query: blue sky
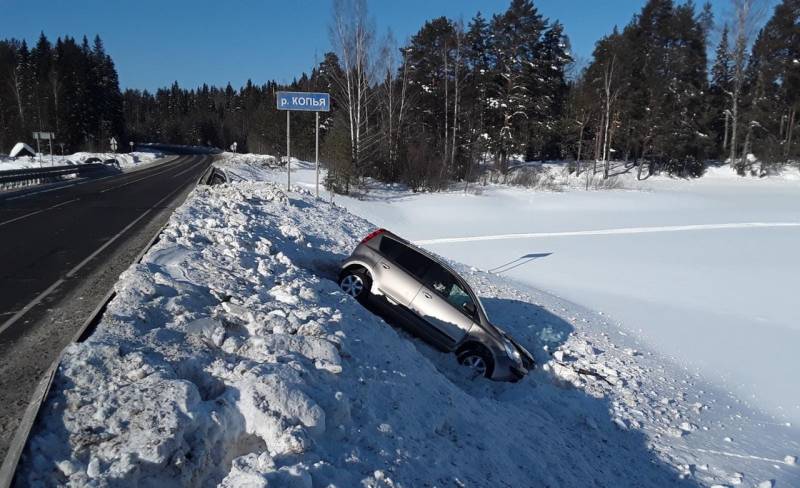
156, 42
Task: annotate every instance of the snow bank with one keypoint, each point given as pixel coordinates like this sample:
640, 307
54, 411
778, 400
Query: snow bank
229, 357
125, 160
556, 176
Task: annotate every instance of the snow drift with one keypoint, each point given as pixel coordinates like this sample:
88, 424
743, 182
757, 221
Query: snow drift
229, 357
125, 160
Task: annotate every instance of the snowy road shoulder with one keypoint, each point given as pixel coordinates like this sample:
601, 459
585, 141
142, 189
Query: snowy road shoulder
228, 357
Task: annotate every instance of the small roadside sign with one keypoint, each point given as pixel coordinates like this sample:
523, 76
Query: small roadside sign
304, 101
113, 144
44, 136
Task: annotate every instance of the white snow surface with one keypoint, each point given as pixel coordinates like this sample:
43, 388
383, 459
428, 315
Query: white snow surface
125, 160
230, 358
701, 270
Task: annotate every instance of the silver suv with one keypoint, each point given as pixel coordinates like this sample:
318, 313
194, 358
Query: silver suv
429, 299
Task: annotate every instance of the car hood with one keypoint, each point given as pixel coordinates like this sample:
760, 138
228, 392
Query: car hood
499, 334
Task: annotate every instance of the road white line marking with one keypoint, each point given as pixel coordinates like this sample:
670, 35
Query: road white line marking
605, 232
135, 181
41, 296
59, 187
184, 171
8, 323
38, 212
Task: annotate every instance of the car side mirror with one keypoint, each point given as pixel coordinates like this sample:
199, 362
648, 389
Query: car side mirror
470, 308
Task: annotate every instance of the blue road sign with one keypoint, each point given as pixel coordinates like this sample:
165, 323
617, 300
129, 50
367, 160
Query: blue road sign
304, 101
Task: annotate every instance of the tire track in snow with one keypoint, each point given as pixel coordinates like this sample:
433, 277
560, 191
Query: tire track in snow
603, 232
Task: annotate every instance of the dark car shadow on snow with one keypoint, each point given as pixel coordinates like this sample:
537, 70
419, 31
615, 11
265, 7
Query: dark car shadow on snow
575, 423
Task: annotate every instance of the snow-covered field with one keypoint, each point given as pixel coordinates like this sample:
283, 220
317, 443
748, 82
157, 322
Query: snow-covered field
230, 357
125, 160
703, 270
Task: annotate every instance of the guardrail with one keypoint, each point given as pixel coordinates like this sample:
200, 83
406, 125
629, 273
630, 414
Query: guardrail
33, 176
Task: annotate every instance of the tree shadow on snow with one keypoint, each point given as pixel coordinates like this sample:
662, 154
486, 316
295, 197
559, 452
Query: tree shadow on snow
516, 263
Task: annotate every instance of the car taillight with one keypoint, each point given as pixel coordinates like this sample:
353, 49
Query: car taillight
372, 235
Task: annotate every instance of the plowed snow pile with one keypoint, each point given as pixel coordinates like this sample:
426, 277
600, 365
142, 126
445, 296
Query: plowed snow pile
125, 160
229, 357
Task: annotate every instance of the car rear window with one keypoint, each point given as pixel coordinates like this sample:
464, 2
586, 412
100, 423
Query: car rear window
413, 261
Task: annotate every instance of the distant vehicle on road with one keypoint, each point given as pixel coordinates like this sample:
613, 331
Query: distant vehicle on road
432, 301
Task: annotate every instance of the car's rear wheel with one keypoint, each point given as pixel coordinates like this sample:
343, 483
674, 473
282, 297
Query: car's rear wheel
356, 283
478, 360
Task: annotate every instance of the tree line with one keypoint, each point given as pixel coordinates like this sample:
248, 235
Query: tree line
68, 88
459, 98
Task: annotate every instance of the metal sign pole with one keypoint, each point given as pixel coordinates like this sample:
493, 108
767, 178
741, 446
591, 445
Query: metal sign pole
304, 102
38, 148
288, 155
52, 162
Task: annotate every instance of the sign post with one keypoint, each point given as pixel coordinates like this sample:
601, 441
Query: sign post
302, 102
46, 136
131, 144
288, 153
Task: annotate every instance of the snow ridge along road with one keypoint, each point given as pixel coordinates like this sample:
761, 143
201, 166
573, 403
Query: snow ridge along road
60, 252
608, 232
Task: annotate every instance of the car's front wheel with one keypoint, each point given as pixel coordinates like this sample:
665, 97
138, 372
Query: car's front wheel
478, 361
357, 284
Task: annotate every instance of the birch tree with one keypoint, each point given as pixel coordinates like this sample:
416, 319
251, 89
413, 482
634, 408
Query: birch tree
352, 35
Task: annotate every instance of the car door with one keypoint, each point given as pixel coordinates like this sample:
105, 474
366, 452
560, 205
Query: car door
444, 305
400, 271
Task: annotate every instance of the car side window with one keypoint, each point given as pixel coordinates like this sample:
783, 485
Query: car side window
460, 298
413, 261
445, 284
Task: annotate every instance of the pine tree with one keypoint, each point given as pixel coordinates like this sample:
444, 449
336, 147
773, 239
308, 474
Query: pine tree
719, 95
554, 57
514, 47
772, 87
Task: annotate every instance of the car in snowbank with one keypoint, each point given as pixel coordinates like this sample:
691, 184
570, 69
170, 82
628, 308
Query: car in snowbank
432, 301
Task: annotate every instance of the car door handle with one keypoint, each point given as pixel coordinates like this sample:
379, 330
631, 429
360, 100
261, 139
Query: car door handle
427, 295
385, 266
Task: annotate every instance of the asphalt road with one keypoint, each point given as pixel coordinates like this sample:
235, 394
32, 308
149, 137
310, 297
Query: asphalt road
61, 251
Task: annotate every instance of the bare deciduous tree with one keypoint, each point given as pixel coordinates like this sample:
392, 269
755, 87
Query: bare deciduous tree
610, 94
353, 35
